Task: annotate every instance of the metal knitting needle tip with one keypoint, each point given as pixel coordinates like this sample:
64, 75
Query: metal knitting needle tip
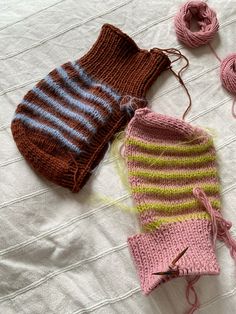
179, 256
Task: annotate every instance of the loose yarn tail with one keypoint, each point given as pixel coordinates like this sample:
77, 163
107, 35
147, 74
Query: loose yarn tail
214, 52
178, 75
189, 97
190, 290
220, 226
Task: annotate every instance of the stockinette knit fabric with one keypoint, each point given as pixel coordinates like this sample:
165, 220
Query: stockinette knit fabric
172, 172
63, 125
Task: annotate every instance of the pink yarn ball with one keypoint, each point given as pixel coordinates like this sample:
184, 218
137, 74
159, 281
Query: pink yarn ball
205, 18
228, 73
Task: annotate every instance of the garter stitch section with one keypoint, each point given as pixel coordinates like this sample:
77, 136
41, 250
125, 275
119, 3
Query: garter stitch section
167, 160
63, 125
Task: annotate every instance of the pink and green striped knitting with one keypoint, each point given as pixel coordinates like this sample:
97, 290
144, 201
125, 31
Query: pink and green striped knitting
173, 176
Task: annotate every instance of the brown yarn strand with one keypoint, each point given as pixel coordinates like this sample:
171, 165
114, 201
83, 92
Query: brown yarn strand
178, 53
187, 92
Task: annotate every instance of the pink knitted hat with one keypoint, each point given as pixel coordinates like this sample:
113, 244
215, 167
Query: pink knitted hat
173, 175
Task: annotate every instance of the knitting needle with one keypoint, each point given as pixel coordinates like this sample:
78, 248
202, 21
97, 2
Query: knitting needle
166, 273
179, 256
172, 271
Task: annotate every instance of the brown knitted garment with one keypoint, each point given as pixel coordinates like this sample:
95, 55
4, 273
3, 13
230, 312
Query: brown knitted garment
63, 125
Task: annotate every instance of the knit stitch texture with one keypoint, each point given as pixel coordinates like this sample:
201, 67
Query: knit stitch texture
63, 125
167, 159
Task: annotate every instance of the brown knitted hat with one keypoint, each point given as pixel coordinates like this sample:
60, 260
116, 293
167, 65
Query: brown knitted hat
63, 125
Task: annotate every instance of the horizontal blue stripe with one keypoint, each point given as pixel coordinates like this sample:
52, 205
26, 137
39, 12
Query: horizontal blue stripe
63, 110
91, 82
81, 91
55, 133
87, 108
58, 122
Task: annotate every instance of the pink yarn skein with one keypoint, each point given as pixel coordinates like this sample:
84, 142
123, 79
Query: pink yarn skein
228, 73
208, 24
205, 18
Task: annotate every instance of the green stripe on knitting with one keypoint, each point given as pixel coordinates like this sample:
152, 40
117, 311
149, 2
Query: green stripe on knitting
210, 188
195, 174
188, 149
162, 161
174, 207
180, 218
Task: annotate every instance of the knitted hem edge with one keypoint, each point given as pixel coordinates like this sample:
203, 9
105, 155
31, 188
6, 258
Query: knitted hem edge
155, 251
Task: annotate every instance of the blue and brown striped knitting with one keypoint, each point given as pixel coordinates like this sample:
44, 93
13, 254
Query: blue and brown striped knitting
63, 125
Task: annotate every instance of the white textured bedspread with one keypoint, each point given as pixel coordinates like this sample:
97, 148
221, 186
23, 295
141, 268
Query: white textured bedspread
66, 253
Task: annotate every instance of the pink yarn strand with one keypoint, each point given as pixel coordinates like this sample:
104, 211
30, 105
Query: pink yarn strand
190, 290
220, 226
214, 52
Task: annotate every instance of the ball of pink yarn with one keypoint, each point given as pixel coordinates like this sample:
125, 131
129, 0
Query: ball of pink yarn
206, 21
228, 73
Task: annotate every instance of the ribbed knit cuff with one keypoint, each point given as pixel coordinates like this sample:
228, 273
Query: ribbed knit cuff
154, 252
116, 60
